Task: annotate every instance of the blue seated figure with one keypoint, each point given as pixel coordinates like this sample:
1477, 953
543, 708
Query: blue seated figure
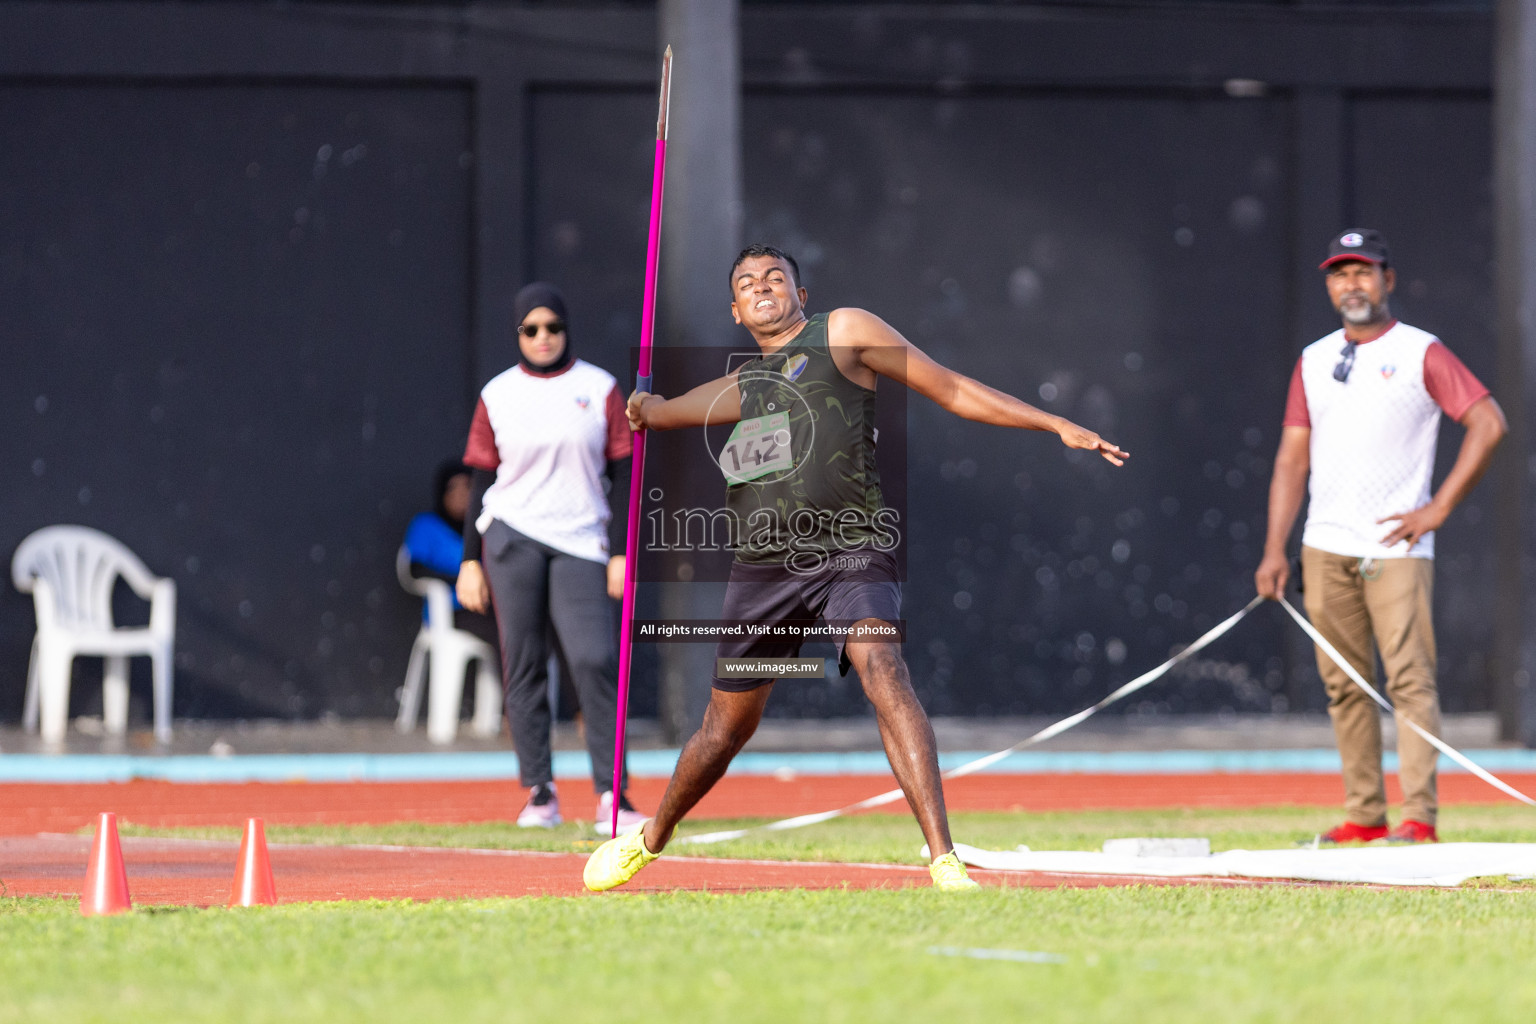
435, 542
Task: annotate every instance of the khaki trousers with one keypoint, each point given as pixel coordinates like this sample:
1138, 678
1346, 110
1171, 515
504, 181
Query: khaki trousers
1387, 599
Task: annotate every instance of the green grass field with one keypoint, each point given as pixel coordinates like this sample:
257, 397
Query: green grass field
1125, 954
1137, 954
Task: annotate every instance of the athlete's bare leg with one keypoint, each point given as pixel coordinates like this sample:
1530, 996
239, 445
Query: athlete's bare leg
907, 735
729, 721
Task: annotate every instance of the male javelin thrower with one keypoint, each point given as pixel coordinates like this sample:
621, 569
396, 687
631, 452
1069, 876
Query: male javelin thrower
797, 526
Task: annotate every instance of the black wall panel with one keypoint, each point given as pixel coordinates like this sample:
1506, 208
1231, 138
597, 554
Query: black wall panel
249, 282
1423, 169
591, 154
236, 325
1118, 258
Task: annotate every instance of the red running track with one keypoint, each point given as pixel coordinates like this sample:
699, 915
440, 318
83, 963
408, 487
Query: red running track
194, 873
30, 808
199, 873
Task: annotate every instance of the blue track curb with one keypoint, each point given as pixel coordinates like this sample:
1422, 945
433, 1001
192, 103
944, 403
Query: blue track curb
659, 764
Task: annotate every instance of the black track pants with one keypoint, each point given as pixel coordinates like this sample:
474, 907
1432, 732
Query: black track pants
536, 588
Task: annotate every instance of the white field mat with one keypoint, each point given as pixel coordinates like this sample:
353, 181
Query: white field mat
1445, 864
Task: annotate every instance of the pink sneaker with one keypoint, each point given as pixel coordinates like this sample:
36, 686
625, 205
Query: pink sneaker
630, 819
542, 809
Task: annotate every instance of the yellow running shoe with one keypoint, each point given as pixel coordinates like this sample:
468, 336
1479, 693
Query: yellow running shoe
947, 872
618, 860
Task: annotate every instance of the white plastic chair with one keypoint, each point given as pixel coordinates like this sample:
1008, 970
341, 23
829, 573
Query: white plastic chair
70, 572
440, 656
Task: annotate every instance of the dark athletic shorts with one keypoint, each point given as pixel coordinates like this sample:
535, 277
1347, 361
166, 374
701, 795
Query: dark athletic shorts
847, 590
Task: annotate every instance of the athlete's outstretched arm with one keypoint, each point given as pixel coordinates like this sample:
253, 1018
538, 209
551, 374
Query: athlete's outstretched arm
719, 401
881, 348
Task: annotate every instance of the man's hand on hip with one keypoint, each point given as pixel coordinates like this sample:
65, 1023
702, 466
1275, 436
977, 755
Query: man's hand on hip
1413, 525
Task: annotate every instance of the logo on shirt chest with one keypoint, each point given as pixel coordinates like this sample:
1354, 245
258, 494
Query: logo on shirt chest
1387, 371
582, 401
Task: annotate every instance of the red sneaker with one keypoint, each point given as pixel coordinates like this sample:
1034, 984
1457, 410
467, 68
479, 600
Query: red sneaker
1349, 832
1410, 831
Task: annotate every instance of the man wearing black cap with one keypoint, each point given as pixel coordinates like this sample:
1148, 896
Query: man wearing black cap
1361, 422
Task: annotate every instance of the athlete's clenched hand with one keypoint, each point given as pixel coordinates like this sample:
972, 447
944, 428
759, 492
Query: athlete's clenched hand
1074, 436
634, 412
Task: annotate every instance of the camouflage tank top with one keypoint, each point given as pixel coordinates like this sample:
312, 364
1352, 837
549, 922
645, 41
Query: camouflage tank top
802, 483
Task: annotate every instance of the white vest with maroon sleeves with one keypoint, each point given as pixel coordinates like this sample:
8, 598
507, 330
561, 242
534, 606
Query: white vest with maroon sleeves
1373, 442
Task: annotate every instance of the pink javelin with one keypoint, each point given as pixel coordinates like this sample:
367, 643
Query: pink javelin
637, 464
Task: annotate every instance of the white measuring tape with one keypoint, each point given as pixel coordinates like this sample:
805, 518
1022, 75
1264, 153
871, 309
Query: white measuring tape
985, 762
1129, 688
1434, 741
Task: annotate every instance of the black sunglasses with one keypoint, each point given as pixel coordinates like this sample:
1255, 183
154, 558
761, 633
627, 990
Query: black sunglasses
532, 330
1346, 362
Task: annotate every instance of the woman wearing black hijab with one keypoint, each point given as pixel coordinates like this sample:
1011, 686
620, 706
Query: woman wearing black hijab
544, 542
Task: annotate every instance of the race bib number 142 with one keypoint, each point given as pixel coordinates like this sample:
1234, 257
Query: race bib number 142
757, 447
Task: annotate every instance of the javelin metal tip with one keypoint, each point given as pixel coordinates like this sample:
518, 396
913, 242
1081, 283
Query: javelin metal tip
666, 93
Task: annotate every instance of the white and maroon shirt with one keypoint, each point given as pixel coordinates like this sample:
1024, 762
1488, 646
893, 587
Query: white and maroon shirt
549, 439
1373, 435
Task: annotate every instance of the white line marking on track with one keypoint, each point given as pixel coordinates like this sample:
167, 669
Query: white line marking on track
1018, 956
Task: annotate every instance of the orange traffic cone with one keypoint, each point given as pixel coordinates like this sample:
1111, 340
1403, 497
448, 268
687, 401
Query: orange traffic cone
253, 871
106, 880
